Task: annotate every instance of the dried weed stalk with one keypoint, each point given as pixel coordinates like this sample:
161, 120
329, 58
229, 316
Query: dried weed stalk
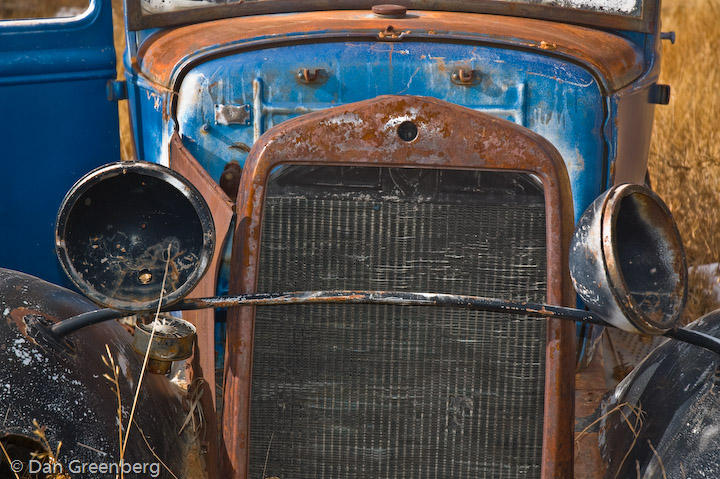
195, 412
7, 458
657, 456
152, 451
147, 354
109, 361
48, 455
635, 425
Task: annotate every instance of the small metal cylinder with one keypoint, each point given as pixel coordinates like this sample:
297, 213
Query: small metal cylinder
173, 341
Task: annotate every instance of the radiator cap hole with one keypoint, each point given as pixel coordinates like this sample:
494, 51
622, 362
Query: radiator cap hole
407, 131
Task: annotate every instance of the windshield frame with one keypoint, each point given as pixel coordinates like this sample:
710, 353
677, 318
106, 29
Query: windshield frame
646, 22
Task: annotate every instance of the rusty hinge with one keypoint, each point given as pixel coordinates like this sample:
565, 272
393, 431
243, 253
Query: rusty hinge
390, 34
116, 90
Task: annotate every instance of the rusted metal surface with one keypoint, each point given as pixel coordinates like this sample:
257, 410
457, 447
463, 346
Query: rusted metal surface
590, 388
203, 362
645, 22
389, 10
628, 262
558, 99
611, 57
365, 134
65, 391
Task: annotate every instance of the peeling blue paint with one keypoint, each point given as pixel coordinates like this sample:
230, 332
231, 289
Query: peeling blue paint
559, 100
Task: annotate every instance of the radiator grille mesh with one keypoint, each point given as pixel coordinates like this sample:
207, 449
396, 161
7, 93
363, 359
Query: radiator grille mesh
347, 391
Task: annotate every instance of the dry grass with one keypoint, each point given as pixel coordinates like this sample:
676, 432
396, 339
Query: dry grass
109, 362
685, 151
126, 143
52, 458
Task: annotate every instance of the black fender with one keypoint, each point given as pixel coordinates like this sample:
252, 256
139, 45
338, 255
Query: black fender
65, 391
676, 392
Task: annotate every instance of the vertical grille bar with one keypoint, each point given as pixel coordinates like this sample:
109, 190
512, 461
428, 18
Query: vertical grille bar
388, 391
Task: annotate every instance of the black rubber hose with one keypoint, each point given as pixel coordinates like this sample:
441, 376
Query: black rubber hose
74, 323
697, 338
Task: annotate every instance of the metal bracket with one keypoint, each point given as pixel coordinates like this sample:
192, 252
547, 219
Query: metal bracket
464, 76
668, 36
116, 90
659, 94
232, 114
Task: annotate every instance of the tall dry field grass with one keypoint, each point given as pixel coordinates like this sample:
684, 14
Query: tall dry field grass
126, 143
685, 150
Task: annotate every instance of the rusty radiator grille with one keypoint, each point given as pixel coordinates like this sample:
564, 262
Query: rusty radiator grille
347, 391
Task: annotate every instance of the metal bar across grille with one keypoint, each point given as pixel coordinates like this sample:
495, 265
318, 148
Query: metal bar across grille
342, 391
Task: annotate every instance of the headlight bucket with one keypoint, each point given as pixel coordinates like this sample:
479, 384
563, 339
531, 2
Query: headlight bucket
116, 227
627, 261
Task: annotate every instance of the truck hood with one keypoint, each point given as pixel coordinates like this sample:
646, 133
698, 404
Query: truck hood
612, 59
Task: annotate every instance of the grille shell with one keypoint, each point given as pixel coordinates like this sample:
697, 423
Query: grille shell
384, 391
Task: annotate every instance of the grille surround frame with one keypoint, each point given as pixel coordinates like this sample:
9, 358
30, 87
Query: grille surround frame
449, 137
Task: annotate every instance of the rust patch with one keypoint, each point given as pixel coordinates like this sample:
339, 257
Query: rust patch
202, 364
365, 134
613, 57
18, 315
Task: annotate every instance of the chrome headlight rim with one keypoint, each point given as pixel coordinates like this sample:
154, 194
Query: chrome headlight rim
660, 220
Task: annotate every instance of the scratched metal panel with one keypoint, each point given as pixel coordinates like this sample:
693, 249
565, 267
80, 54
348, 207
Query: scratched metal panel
559, 100
150, 127
343, 391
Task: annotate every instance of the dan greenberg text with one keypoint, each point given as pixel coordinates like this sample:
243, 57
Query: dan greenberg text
151, 469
